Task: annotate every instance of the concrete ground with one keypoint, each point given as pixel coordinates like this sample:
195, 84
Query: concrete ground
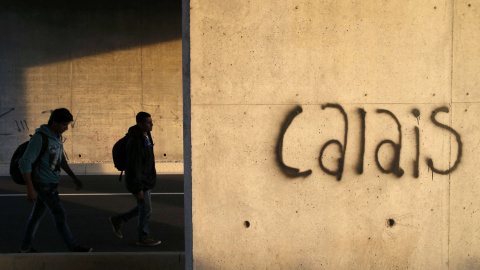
87, 215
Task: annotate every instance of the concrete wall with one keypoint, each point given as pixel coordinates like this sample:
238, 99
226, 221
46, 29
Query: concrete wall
335, 134
105, 62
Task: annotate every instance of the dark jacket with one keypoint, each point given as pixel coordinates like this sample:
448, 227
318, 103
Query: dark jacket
140, 171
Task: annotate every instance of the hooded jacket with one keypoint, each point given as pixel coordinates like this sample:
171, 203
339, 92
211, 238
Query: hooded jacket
48, 167
140, 170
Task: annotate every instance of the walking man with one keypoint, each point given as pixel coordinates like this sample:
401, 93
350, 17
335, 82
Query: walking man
42, 180
140, 177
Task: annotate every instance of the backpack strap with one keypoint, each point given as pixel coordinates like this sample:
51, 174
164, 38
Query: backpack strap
43, 149
121, 173
44, 143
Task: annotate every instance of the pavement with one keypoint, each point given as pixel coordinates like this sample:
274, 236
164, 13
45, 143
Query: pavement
88, 212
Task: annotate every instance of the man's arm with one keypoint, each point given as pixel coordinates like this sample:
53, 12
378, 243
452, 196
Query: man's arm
31, 194
139, 195
134, 168
70, 173
26, 162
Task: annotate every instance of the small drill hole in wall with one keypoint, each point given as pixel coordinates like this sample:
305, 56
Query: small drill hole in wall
246, 224
390, 222
164, 155
79, 155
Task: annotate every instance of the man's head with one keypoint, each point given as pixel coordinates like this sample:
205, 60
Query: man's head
144, 122
59, 120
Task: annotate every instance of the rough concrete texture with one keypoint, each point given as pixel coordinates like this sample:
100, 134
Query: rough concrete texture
104, 61
464, 209
335, 134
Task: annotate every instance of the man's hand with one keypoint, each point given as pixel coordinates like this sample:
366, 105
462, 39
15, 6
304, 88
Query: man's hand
70, 173
78, 183
140, 195
31, 194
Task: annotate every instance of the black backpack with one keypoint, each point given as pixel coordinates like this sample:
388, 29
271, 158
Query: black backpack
15, 169
119, 154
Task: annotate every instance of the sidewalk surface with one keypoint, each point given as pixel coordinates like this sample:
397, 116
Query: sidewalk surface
88, 212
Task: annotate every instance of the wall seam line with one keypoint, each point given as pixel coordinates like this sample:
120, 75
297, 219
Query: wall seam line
451, 121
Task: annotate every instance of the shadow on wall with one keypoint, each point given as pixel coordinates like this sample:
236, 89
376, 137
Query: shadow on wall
39, 33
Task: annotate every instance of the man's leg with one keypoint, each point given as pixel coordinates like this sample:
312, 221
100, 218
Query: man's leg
38, 212
145, 212
50, 196
116, 221
128, 215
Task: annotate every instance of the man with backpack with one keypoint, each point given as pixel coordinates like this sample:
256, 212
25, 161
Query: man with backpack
140, 177
41, 174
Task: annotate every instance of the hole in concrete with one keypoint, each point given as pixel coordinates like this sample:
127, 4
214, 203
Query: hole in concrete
416, 113
390, 222
164, 155
246, 224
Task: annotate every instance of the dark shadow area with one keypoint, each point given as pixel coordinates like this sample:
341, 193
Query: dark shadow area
99, 183
37, 33
87, 216
52, 30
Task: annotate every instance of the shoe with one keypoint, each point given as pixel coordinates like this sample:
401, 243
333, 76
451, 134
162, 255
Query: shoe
116, 226
82, 249
30, 250
148, 241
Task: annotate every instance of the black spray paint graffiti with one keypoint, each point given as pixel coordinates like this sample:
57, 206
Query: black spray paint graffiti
457, 136
394, 166
342, 148
362, 113
9, 111
289, 171
22, 125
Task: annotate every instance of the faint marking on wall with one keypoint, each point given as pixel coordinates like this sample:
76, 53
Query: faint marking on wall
22, 125
9, 111
4, 114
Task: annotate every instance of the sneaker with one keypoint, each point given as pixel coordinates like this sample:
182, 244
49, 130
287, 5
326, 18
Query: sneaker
82, 249
148, 241
30, 250
116, 226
